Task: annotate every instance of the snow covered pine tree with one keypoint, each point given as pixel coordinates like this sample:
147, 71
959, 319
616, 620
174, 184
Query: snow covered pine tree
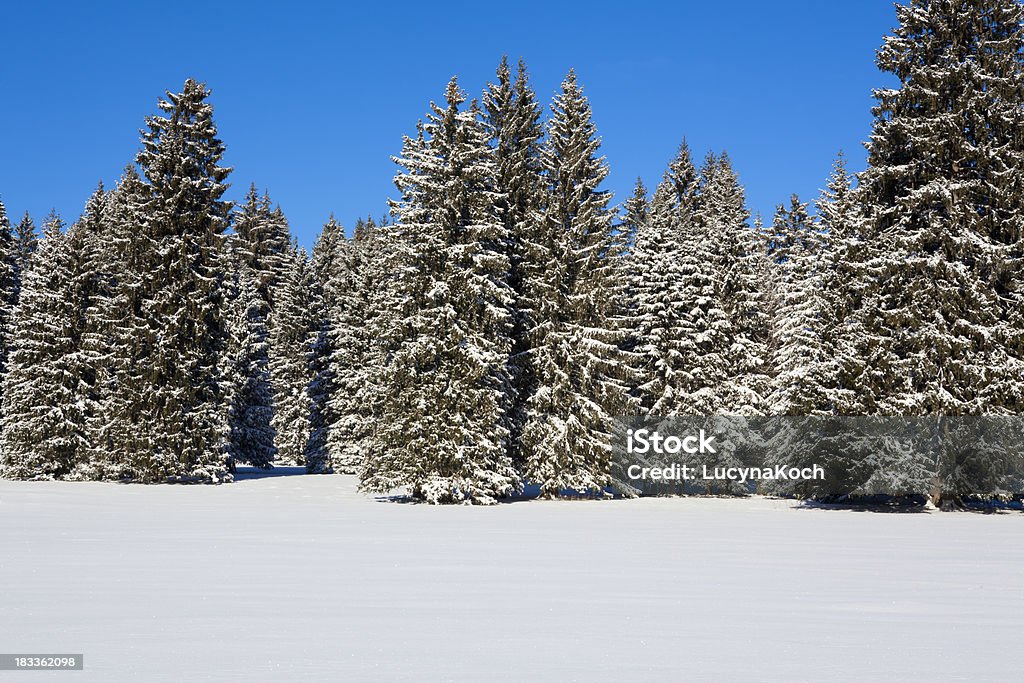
577, 356
682, 330
25, 241
118, 333
247, 376
514, 119
356, 302
797, 249
742, 269
321, 346
43, 416
943, 191
182, 291
443, 425
289, 363
8, 286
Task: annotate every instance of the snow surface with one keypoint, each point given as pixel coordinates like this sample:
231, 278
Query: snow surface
300, 578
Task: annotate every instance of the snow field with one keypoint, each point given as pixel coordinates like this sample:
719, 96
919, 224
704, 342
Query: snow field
301, 578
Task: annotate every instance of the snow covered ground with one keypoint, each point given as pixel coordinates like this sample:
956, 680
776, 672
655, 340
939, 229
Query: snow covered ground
300, 578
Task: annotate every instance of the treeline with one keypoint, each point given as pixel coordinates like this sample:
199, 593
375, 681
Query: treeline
488, 333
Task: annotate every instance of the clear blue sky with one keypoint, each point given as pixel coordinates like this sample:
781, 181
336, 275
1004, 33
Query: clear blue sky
312, 99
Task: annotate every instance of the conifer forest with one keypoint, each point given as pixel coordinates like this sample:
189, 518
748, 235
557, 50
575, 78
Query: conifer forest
482, 332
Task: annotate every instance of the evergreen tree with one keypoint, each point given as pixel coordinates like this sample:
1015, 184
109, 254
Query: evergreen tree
349, 286
842, 224
321, 388
25, 240
742, 271
182, 290
798, 251
8, 285
513, 117
355, 359
577, 357
367, 229
686, 337
43, 419
637, 209
319, 391
263, 256
324, 250
262, 243
92, 273
443, 419
943, 192
290, 329
263, 247
819, 394
683, 332
121, 432
250, 400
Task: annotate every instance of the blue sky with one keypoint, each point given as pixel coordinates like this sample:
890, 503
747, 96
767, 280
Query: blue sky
312, 99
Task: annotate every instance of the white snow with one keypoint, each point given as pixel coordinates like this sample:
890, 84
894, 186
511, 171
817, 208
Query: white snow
300, 578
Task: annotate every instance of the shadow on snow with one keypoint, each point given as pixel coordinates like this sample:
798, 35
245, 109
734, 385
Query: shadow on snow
245, 472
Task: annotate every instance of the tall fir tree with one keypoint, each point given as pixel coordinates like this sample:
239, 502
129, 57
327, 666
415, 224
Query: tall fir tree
121, 432
183, 291
637, 210
262, 254
43, 414
26, 241
321, 388
443, 422
943, 193
513, 117
290, 328
325, 248
684, 335
92, 272
358, 289
798, 252
262, 246
818, 395
742, 266
8, 286
841, 218
262, 243
577, 355
358, 302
